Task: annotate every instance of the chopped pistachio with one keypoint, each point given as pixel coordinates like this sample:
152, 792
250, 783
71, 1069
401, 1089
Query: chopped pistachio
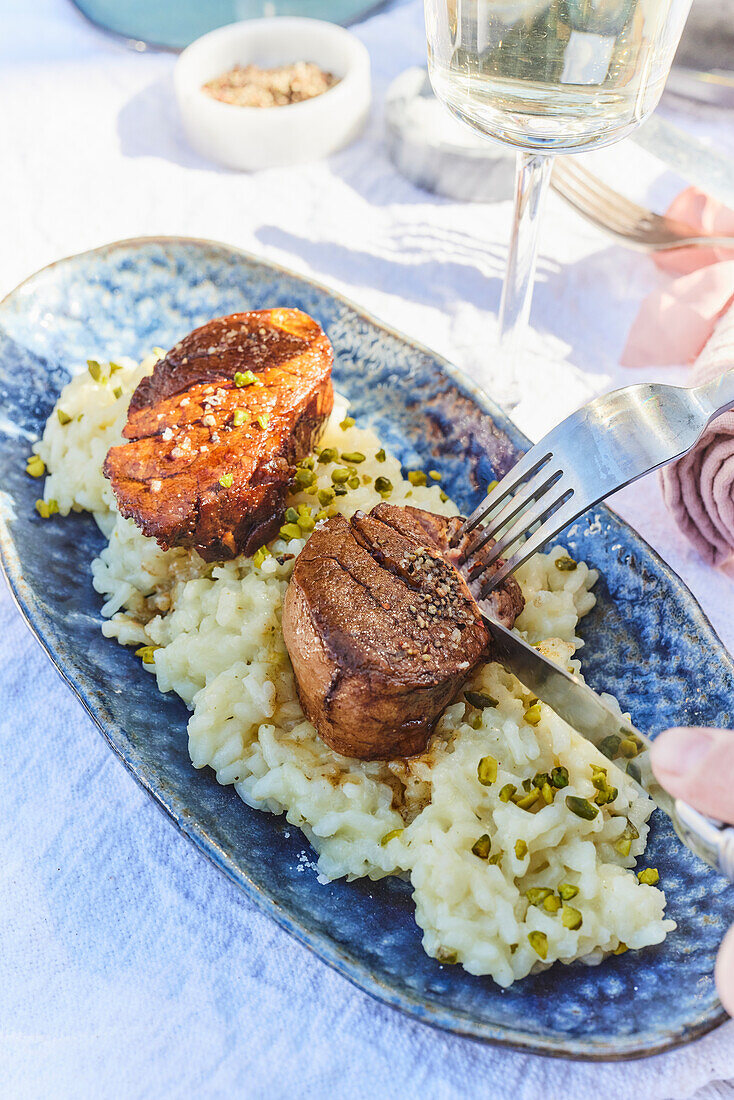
243, 378
606, 796
482, 846
507, 792
114, 366
444, 496
35, 466
353, 456
623, 846
649, 877
532, 714
339, 475
347, 422
290, 531
117, 392
95, 369
446, 957
64, 418
306, 523
383, 485
366, 479
341, 492
380, 455
263, 420
521, 849
567, 891
434, 474
551, 904
291, 515
304, 478
539, 943
620, 948
536, 895
480, 700
633, 771
328, 454
548, 793
353, 483
527, 800
571, 918
581, 807
159, 352
238, 417
307, 463
539, 779
146, 652
487, 771
47, 508
566, 564
627, 747
631, 831
390, 836
326, 496
416, 477
260, 555
559, 777
496, 859
609, 747
492, 485
321, 514
226, 481
527, 785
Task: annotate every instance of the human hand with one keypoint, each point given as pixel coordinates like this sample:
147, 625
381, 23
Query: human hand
697, 765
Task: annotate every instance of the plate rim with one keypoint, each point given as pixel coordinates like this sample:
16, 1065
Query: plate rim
325, 948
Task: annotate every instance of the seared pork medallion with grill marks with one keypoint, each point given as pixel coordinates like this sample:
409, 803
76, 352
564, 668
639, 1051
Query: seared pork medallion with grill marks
382, 629
216, 430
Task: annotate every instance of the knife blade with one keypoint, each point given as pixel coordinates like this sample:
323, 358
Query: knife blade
691, 158
613, 735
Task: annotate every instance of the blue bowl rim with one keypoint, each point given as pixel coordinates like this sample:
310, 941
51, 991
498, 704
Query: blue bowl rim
322, 946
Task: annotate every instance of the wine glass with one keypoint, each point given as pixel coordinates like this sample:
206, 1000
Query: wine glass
548, 76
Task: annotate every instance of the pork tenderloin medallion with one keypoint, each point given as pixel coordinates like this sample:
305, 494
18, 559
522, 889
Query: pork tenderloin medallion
216, 430
382, 630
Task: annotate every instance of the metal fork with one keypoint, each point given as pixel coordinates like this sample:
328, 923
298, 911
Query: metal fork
605, 445
620, 216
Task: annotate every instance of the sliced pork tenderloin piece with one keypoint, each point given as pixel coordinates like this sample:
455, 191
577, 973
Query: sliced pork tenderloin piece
216, 430
382, 630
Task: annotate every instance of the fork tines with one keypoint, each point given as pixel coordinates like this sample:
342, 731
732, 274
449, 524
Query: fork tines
531, 493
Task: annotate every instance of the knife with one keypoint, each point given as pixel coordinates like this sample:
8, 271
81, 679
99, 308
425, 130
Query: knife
688, 156
575, 702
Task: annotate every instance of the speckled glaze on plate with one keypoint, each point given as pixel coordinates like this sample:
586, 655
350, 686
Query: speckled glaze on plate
647, 641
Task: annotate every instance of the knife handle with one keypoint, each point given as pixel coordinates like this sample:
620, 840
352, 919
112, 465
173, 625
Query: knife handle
711, 840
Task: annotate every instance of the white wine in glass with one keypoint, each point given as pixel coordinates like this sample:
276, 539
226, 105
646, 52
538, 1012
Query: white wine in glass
548, 76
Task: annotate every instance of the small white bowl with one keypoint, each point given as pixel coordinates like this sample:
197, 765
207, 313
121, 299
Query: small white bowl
250, 138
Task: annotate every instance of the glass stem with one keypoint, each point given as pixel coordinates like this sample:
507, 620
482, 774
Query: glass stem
531, 183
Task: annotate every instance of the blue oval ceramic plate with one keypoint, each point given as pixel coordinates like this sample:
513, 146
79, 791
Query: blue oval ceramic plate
647, 641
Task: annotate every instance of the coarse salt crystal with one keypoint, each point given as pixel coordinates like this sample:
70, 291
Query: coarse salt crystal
155, 485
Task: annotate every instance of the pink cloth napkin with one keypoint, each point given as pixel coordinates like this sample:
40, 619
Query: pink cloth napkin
692, 321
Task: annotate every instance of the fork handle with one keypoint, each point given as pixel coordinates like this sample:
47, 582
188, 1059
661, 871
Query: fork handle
717, 396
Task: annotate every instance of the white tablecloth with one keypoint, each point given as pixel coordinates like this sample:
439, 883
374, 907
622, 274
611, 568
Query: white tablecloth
129, 967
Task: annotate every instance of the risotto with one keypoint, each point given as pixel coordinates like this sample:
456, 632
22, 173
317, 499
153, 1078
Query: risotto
506, 877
